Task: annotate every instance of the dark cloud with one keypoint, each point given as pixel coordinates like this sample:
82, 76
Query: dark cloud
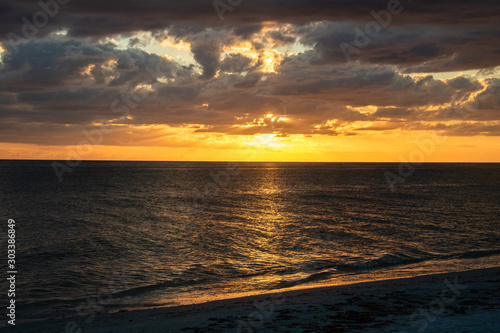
248, 81
51, 84
365, 85
53, 62
423, 48
50, 62
313, 94
281, 37
95, 17
393, 113
427, 36
235, 63
207, 54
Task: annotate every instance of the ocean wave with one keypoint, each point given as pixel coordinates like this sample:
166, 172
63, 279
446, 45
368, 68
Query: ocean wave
330, 267
477, 254
396, 259
384, 261
163, 285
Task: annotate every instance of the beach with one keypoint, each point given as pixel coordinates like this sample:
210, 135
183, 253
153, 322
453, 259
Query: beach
466, 301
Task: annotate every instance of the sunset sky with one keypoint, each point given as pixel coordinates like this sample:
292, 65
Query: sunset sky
350, 80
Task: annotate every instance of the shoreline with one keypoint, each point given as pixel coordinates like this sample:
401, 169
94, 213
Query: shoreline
403, 304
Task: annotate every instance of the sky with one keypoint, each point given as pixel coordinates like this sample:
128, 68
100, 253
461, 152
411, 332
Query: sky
242, 80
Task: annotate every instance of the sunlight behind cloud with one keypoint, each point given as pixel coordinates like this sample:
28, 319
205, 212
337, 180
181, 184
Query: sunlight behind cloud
229, 84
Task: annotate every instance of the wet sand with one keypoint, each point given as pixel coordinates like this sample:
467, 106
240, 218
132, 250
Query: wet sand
451, 302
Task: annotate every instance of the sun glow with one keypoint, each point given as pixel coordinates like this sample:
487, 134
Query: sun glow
269, 120
265, 140
268, 59
271, 59
2, 50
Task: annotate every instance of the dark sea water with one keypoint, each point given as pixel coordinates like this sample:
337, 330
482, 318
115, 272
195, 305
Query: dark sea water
123, 235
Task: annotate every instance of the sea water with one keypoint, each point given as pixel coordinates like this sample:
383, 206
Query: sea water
126, 235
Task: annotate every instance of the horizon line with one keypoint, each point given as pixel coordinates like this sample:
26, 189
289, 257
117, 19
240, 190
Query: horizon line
246, 161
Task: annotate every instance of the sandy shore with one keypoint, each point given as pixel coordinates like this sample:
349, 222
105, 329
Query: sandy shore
452, 302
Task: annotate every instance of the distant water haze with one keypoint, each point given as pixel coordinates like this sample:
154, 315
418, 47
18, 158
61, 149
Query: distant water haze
143, 234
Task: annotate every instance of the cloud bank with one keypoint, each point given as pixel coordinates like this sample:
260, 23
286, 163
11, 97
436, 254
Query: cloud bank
307, 68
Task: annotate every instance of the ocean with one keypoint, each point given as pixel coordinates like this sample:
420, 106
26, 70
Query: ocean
115, 236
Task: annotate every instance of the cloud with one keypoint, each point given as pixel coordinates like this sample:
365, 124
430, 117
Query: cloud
364, 85
57, 61
69, 88
93, 18
235, 63
263, 59
417, 49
